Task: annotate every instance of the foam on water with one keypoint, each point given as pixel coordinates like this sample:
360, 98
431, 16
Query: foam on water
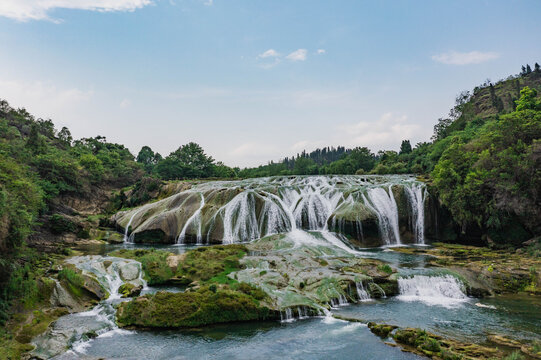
445, 290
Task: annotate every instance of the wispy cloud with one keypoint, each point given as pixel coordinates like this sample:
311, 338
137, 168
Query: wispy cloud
209, 2
125, 103
321, 51
298, 55
386, 132
25, 10
269, 53
464, 58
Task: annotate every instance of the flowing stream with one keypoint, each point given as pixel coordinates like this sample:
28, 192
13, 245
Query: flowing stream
313, 211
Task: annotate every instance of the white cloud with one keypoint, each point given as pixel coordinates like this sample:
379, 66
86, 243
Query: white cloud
269, 53
384, 133
298, 55
24, 10
321, 51
125, 103
43, 95
254, 150
209, 2
465, 58
307, 145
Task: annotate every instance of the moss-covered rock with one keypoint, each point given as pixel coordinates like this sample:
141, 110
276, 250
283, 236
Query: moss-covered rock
381, 330
130, 290
433, 346
153, 262
202, 307
204, 264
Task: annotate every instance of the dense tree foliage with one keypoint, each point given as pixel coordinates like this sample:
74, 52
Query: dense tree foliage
37, 165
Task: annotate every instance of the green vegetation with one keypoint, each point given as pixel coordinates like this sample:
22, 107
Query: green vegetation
212, 264
435, 347
39, 165
187, 162
381, 330
73, 281
209, 264
515, 355
153, 262
385, 268
196, 308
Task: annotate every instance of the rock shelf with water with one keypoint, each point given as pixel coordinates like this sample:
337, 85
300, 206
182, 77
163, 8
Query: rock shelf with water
370, 210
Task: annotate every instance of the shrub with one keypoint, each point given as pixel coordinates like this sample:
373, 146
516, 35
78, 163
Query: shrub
61, 225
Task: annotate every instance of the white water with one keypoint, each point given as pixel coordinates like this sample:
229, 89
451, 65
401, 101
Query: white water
340, 301
361, 292
384, 206
287, 315
70, 329
195, 221
274, 205
445, 290
127, 237
417, 195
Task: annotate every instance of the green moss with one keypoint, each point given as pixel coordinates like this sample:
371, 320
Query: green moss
73, 281
385, 268
153, 263
39, 323
197, 308
381, 330
129, 290
212, 264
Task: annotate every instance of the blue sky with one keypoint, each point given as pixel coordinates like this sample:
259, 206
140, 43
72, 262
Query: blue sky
257, 80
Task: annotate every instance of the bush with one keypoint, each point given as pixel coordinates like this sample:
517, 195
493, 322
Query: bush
60, 225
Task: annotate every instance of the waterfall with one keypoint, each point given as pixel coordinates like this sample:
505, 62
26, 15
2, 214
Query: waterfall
384, 205
444, 290
130, 238
246, 210
340, 301
302, 312
71, 331
194, 220
286, 315
361, 292
416, 194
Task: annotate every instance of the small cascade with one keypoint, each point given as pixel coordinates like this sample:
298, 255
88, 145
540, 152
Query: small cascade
375, 288
127, 237
340, 301
239, 219
444, 290
361, 292
195, 221
416, 194
70, 331
287, 315
384, 205
302, 312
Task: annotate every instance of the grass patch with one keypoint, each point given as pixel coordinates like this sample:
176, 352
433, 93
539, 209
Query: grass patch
385, 268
